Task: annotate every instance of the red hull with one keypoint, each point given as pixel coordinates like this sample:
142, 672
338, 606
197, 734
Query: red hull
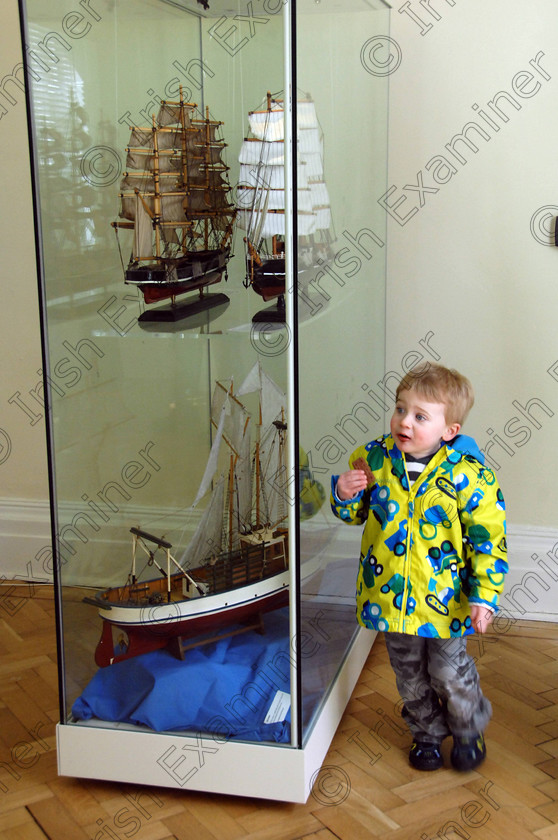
145, 638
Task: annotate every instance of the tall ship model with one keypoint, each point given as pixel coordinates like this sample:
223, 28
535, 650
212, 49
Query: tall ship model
235, 568
261, 198
175, 199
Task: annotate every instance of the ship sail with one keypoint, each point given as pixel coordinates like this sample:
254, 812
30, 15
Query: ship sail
208, 536
175, 197
247, 495
261, 195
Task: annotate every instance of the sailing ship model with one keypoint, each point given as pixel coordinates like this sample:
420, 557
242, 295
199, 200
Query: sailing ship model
175, 199
261, 199
235, 568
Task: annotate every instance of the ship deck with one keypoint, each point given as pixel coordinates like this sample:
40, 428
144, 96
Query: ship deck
254, 562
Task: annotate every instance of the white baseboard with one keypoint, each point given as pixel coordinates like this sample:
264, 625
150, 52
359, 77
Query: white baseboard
25, 534
24, 531
531, 590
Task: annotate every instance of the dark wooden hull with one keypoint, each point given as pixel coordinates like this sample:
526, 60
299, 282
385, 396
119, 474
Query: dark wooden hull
195, 271
268, 279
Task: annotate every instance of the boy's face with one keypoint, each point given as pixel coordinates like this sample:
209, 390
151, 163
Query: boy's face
418, 426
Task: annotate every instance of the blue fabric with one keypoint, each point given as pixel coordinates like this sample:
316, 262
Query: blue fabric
225, 688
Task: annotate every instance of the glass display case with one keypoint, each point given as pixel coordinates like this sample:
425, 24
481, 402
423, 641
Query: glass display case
212, 262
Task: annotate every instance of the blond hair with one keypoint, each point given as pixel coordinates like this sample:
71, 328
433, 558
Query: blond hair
442, 385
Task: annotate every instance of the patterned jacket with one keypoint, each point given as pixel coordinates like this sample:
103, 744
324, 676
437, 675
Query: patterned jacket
428, 550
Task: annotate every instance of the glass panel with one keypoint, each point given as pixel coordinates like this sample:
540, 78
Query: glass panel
342, 162
131, 400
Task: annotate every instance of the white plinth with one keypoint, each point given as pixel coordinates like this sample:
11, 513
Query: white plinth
110, 752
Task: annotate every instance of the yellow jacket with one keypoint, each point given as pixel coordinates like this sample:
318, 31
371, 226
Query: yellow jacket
427, 550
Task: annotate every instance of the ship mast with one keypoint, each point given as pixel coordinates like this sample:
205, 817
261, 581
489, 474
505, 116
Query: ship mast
207, 173
156, 190
184, 161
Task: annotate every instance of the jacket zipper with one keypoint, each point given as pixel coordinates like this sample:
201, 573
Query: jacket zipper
407, 565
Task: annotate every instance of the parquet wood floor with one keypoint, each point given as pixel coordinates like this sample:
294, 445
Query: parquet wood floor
366, 788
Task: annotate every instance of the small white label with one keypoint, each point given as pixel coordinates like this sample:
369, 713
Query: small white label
280, 705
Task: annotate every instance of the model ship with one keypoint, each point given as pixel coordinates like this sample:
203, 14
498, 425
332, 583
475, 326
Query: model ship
261, 197
175, 199
235, 568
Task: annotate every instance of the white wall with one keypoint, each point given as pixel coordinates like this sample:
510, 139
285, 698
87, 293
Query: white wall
474, 262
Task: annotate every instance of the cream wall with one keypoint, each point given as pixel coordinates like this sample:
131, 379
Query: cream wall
472, 258
22, 438
466, 264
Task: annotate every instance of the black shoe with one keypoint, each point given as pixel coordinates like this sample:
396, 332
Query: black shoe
425, 756
468, 753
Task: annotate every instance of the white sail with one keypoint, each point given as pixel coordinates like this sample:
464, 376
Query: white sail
273, 484
261, 190
309, 142
307, 223
247, 198
236, 419
266, 176
323, 218
320, 195
252, 382
236, 424
313, 166
267, 125
208, 536
220, 393
212, 461
263, 176
255, 151
272, 398
143, 231
272, 224
306, 114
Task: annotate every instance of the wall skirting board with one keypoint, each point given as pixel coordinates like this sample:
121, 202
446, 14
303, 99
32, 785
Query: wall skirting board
530, 592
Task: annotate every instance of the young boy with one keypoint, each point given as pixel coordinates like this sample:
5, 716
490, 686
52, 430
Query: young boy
433, 558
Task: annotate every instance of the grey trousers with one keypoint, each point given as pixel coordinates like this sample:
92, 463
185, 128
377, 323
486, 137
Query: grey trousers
439, 685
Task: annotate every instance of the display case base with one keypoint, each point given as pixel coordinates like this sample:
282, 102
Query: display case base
203, 762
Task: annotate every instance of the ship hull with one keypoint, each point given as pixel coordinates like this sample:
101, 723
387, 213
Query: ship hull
148, 615
153, 628
160, 281
268, 279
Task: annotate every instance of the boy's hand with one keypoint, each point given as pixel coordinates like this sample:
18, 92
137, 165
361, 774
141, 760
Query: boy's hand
350, 483
481, 617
